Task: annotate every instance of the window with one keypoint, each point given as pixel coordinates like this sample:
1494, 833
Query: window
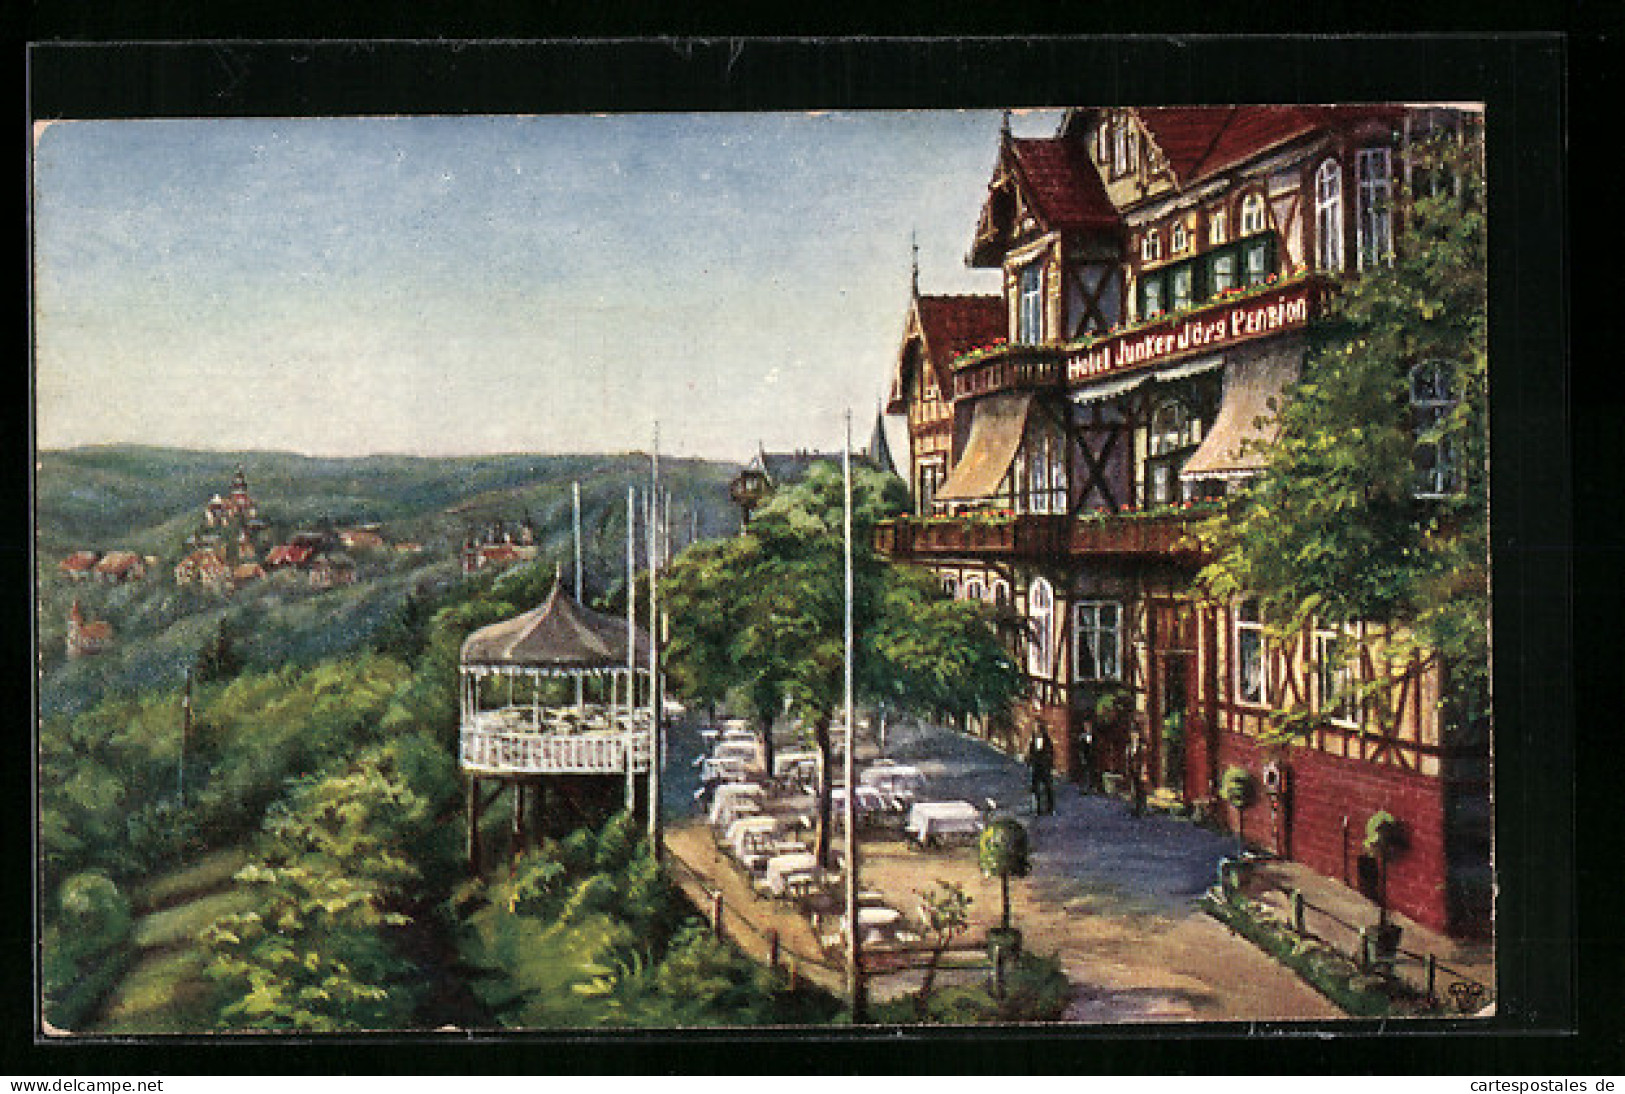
1046, 472
1173, 435
1252, 682
950, 585
1180, 239
1337, 696
973, 589
1222, 272
1252, 214
1125, 146
1041, 610
1030, 306
1099, 641
1432, 399
930, 478
1151, 246
1374, 226
1216, 228
1329, 216
1151, 301
1258, 260
1184, 286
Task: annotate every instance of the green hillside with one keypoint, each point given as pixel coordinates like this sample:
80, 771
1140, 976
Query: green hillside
149, 499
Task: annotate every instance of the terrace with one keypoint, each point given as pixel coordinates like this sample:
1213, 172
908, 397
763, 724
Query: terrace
978, 534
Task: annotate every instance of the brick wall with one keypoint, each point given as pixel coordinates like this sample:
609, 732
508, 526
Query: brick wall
1324, 790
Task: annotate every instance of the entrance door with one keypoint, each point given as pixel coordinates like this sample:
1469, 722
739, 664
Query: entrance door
1173, 688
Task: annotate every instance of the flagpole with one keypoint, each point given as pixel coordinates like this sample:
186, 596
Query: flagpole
854, 946
631, 647
575, 502
652, 524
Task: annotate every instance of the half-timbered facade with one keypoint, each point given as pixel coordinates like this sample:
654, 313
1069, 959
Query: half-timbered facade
1160, 269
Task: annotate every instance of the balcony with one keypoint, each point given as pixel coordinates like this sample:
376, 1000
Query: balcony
510, 742
1275, 307
1038, 537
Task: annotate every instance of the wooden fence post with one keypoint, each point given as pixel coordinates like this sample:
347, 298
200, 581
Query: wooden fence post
716, 913
1297, 912
1433, 977
772, 948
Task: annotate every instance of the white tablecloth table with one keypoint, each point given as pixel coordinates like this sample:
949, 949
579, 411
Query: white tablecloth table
729, 796
930, 820
781, 868
725, 769
895, 779
746, 832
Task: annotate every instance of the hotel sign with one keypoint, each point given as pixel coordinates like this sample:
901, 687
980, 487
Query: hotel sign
1203, 332
1217, 327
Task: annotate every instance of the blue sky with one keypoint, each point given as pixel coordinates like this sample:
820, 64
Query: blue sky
465, 285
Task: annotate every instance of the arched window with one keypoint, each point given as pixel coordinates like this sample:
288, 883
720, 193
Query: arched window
1180, 239
973, 589
1433, 396
1252, 213
1150, 246
950, 584
1329, 216
1216, 228
1041, 611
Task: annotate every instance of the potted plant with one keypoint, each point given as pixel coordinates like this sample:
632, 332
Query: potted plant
1383, 836
1111, 706
1239, 789
1003, 851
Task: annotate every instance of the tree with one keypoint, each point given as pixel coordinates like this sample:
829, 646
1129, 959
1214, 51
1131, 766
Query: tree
220, 659
1239, 789
763, 613
1003, 852
946, 910
1382, 838
1373, 504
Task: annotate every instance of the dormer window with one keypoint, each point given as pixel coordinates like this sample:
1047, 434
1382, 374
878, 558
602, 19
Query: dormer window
1216, 228
1180, 239
1119, 146
1252, 214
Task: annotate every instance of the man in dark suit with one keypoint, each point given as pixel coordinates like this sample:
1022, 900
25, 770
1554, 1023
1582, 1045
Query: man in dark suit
1041, 759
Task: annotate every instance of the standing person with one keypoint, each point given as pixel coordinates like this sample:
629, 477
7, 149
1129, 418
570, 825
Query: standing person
1041, 758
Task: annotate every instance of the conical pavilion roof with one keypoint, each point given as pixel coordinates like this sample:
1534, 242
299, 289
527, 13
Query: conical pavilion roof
559, 634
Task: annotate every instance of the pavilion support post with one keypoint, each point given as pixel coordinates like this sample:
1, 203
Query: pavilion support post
516, 842
472, 840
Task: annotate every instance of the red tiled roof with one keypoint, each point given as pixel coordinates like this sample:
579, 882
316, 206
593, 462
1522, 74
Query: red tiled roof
98, 631
1203, 140
949, 326
78, 561
287, 554
953, 325
1063, 184
118, 562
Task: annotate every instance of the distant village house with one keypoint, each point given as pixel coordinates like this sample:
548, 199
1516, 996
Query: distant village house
86, 637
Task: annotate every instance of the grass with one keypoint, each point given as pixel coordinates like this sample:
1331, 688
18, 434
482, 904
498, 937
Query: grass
164, 993
1329, 972
181, 924
210, 873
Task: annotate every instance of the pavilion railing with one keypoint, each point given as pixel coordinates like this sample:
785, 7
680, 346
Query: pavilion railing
554, 753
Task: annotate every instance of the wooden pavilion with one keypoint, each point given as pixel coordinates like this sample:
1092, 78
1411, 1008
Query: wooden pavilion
513, 736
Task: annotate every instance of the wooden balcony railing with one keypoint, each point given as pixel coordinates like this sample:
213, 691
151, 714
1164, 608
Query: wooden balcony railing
522, 753
1038, 536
